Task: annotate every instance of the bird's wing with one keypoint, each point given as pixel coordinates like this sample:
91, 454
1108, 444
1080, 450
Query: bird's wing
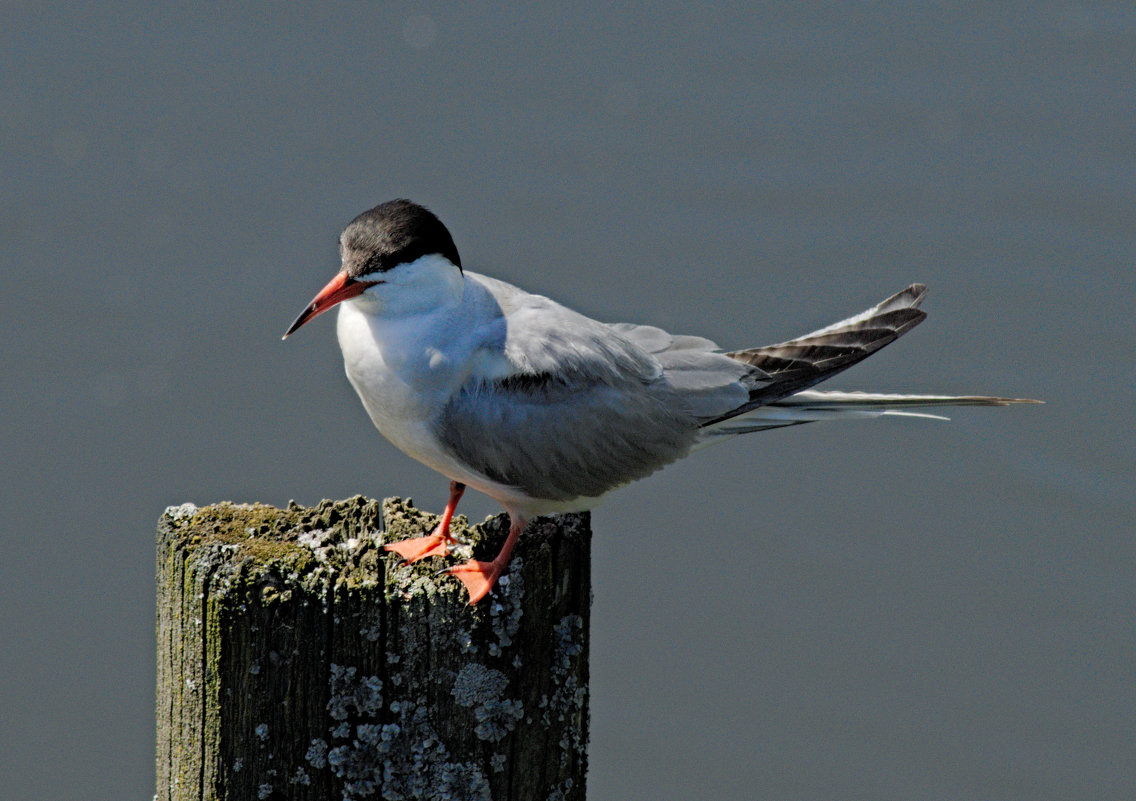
703, 380
576, 407
797, 364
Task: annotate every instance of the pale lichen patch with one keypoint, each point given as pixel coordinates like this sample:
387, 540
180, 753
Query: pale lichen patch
569, 700
181, 512
364, 694
317, 754
481, 688
301, 777
506, 607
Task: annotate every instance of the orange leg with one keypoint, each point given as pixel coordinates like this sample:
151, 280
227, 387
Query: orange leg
479, 577
437, 542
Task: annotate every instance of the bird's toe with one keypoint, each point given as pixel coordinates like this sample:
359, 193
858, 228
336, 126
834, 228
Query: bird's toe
478, 577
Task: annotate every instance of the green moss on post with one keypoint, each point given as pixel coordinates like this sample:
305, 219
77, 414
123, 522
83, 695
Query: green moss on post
296, 660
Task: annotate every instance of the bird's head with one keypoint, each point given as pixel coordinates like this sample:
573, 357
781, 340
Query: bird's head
398, 258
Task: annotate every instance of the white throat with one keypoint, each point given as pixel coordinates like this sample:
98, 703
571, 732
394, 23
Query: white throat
423, 285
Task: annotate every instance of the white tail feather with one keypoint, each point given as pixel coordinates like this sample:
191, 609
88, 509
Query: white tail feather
811, 406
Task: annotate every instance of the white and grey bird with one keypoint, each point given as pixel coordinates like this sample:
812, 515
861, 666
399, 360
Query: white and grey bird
546, 410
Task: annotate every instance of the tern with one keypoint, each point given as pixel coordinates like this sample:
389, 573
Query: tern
546, 410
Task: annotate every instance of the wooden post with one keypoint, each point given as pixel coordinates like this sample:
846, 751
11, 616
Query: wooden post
297, 660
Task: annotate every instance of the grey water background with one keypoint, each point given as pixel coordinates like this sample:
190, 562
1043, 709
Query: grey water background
886, 610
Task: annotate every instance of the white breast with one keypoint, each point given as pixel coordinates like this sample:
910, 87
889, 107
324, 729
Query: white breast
401, 387
405, 369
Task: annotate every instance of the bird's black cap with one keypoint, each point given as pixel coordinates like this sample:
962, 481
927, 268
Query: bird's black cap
393, 233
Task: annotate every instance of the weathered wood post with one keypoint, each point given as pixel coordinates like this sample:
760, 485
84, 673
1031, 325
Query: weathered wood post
296, 660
